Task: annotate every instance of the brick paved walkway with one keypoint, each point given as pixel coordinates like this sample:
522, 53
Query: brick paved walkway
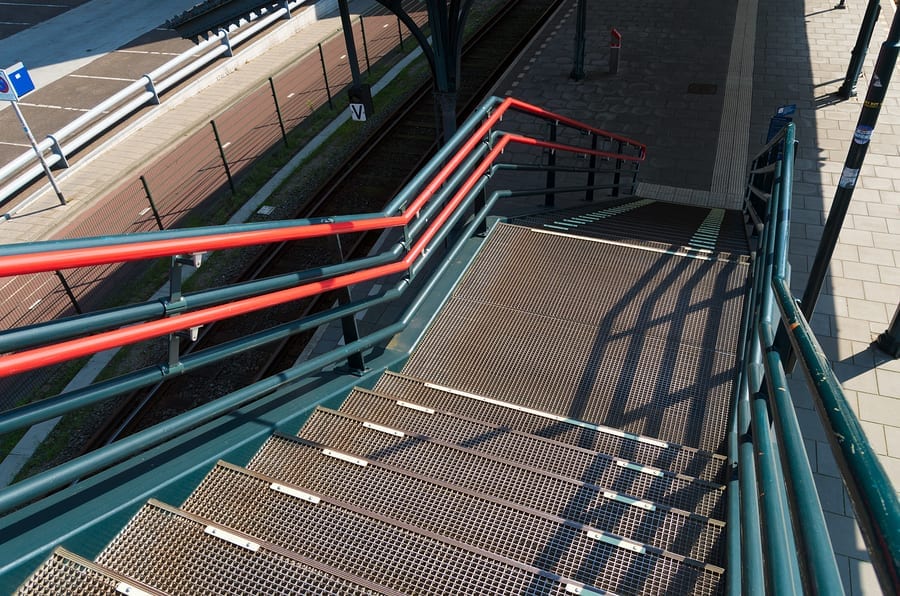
782, 52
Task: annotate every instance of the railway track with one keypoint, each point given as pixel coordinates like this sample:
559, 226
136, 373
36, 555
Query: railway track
365, 182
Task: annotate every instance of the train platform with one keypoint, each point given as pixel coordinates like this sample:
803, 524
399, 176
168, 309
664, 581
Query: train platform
699, 85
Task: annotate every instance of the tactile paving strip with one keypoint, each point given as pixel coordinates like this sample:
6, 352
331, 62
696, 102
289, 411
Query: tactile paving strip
667, 456
67, 573
475, 518
489, 475
176, 553
364, 544
647, 222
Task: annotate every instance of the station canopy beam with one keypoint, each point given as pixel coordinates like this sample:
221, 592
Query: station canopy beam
447, 22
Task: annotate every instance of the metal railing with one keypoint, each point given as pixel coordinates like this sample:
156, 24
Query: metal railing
21, 171
783, 545
449, 192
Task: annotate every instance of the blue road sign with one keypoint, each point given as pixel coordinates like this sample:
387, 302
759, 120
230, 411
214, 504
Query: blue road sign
15, 82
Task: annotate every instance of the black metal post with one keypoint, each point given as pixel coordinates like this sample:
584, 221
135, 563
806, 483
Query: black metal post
349, 42
362, 31
150, 200
278, 112
592, 166
848, 88
580, 42
68, 290
222, 154
881, 77
889, 341
400, 34
550, 196
617, 177
356, 362
325, 77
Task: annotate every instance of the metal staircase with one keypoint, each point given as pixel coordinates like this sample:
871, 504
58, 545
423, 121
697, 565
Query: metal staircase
559, 429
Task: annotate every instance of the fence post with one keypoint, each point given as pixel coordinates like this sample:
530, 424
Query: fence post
362, 30
278, 112
222, 154
550, 196
400, 34
68, 290
325, 77
159, 222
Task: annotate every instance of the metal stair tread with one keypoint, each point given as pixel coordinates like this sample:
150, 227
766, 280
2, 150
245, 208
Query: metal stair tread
81, 576
371, 544
594, 437
350, 435
641, 384
186, 554
525, 449
478, 518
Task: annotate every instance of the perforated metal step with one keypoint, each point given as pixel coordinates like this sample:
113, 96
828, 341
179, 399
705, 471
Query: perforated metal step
67, 573
647, 222
367, 544
183, 554
625, 337
644, 450
553, 543
520, 448
491, 475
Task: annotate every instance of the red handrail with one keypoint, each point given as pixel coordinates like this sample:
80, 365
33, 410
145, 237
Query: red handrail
53, 260
76, 348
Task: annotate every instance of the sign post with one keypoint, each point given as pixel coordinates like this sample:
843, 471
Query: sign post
14, 83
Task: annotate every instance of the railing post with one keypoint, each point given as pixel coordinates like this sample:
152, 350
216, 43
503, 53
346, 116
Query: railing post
278, 112
550, 196
355, 361
617, 176
400, 34
592, 166
889, 341
226, 41
222, 154
150, 200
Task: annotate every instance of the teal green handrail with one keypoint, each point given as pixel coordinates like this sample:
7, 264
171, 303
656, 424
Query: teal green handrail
804, 531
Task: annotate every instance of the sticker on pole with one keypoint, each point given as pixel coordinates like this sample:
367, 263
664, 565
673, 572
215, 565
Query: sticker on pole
862, 135
848, 178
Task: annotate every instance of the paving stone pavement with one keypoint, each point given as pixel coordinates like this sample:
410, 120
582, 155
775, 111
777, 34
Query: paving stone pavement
782, 52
